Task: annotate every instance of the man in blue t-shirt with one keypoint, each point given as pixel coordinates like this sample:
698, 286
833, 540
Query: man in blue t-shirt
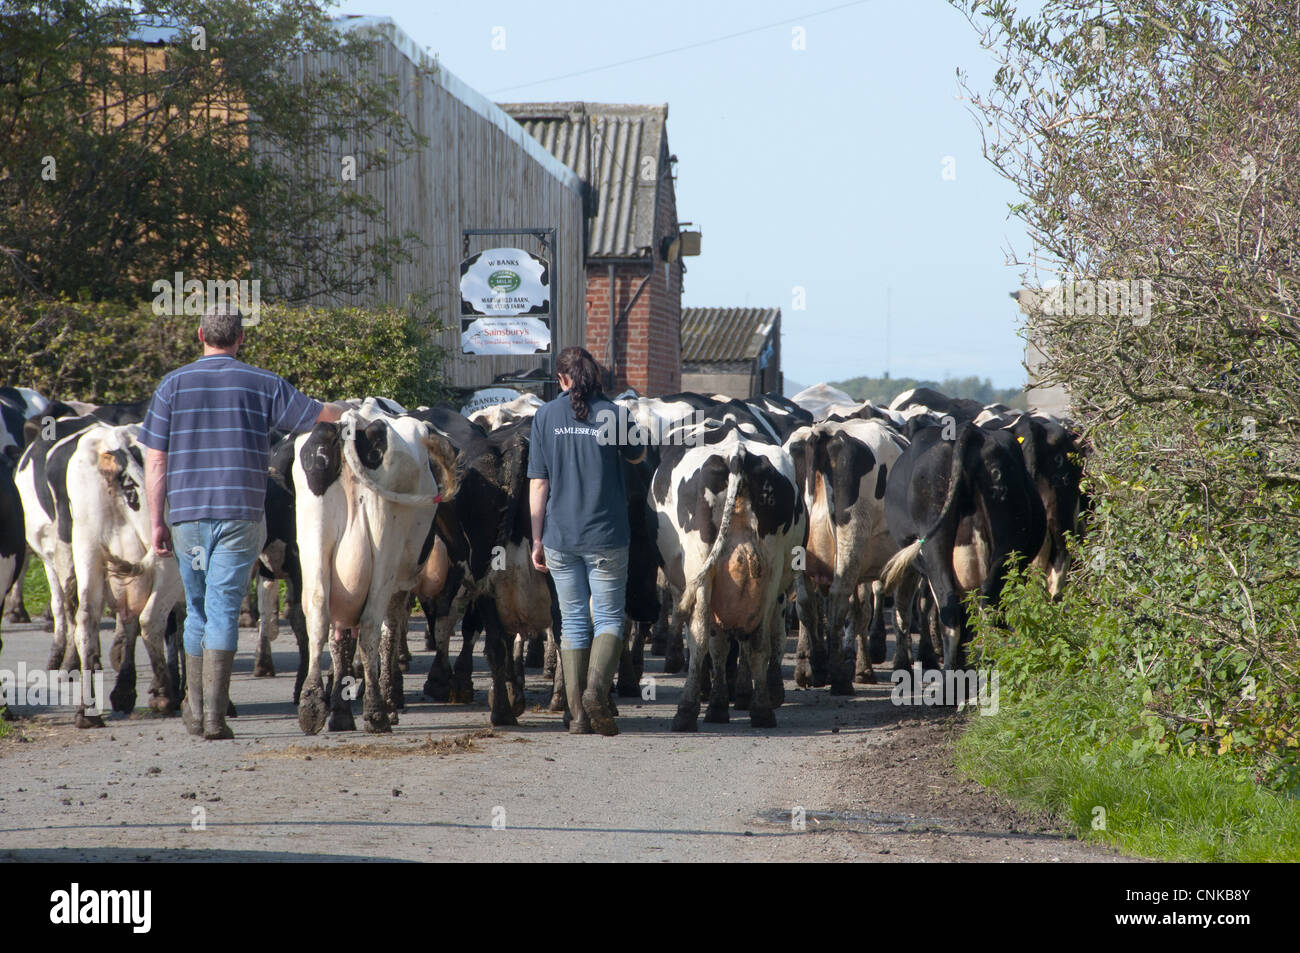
207, 439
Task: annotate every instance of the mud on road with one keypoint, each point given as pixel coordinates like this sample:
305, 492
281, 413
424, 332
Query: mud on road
874, 782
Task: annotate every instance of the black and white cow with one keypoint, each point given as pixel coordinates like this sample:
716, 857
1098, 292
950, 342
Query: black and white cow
727, 515
1053, 456
843, 469
88, 518
366, 492
962, 510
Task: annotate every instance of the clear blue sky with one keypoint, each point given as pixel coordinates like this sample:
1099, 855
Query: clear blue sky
818, 168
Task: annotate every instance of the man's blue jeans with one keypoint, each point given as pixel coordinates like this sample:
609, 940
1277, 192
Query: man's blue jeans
599, 578
216, 558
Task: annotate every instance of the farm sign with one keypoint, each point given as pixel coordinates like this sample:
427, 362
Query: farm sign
505, 302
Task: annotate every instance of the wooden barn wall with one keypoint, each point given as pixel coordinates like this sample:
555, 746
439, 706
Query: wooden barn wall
469, 175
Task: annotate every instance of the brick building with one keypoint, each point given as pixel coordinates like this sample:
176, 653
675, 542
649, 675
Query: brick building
634, 269
732, 351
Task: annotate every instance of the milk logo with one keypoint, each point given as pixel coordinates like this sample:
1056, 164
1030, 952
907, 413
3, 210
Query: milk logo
76, 906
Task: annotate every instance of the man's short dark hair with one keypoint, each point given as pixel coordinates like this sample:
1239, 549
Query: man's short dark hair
221, 325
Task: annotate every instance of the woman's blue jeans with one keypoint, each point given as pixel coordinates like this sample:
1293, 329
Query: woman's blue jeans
598, 579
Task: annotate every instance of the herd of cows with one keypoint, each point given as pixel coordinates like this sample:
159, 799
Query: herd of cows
743, 515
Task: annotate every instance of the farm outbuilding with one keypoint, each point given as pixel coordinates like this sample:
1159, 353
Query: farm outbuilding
635, 246
479, 172
732, 351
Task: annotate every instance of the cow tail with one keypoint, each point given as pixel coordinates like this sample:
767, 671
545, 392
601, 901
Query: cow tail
892, 572
734, 479
442, 460
117, 566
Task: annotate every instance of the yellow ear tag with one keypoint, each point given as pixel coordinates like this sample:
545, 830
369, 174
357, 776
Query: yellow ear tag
1020, 440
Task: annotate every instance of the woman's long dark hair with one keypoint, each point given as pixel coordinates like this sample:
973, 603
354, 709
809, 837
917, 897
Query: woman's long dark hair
579, 366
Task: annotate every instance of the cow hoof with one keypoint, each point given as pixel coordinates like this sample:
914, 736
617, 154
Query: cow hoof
89, 721
865, 677
462, 692
514, 698
844, 687
686, 720
717, 715
312, 712
436, 689
803, 673
53, 663
504, 718
674, 664
743, 702
47, 624
341, 718
430, 643
264, 667
163, 705
876, 649
123, 701
776, 691
19, 614
548, 671
762, 718
557, 702
378, 723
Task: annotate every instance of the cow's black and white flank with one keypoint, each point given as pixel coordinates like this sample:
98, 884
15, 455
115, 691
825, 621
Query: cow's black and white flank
843, 469
962, 510
13, 539
727, 515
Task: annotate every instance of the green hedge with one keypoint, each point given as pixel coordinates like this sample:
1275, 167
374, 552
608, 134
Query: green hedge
108, 352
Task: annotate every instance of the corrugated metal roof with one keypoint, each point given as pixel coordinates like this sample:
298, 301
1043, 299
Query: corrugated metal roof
629, 144
726, 334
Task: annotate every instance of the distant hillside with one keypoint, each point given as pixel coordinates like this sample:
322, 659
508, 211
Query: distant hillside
881, 390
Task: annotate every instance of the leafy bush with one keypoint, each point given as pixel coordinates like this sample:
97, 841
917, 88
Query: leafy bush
1159, 143
107, 352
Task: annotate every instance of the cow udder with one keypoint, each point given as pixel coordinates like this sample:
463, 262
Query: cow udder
738, 584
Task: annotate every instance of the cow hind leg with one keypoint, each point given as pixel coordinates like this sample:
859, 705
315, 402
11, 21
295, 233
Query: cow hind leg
123, 696
164, 693
557, 686
688, 709
343, 685
755, 653
719, 700
462, 678
775, 656
628, 678
496, 649
268, 611
742, 689
515, 690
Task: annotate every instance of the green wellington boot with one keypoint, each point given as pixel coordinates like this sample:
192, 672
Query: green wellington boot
216, 693
606, 648
573, 662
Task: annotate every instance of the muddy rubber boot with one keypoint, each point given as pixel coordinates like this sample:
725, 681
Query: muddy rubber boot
216, 693
192, 706
574, 662
606, 648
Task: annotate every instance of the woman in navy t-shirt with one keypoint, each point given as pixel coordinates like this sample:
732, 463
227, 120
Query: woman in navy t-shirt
580, 530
